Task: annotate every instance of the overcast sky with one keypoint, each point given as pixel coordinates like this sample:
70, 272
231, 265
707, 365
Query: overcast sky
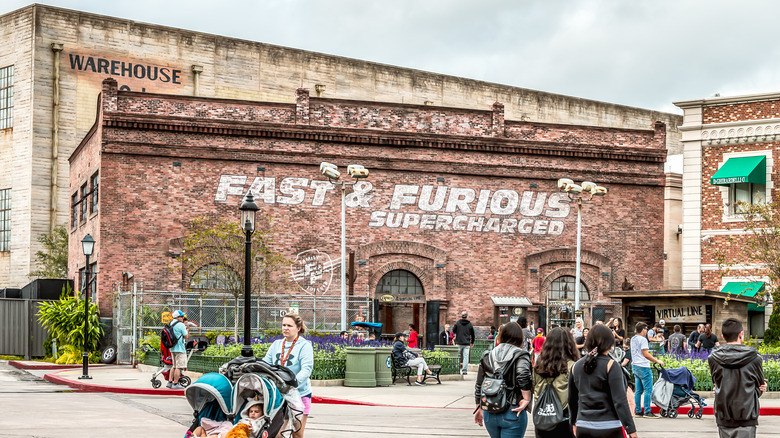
644, 53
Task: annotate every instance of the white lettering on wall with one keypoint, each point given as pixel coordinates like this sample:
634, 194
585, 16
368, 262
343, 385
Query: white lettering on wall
440, 207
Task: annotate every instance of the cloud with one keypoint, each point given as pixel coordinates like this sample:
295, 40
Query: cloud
640, 52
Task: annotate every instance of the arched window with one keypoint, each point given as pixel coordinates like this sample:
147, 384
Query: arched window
399, 282
214, 277
562, 288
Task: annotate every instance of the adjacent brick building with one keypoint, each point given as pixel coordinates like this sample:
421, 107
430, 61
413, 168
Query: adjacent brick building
729, 144
463, 200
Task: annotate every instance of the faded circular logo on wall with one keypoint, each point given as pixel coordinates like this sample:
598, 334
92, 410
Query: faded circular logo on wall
312, 270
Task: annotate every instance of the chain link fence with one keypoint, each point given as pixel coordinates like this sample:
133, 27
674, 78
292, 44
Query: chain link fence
138, 311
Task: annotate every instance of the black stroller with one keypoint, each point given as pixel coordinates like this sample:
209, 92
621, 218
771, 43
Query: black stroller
675, 388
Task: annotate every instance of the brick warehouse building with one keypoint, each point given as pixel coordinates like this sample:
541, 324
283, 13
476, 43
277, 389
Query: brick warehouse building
53, 61
729, 144
461, 200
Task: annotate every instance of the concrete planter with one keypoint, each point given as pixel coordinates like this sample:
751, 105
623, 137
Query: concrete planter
361, 367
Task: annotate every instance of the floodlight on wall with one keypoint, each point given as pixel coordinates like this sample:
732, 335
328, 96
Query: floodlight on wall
580, 193
330, 170
357, 171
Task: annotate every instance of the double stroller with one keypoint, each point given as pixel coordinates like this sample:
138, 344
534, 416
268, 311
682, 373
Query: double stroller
222, 396
675, 388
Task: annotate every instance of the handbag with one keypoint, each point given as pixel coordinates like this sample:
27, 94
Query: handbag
548, 411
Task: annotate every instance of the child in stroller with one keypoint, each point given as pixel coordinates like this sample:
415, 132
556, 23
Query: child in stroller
675, 388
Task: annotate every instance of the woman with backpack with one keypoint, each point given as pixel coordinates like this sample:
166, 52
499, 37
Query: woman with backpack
559, 353
505, 396
594, 379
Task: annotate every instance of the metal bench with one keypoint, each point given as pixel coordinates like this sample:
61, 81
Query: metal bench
405, 372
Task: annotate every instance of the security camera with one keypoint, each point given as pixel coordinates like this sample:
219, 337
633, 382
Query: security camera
563, 182
330, 170
705, 238
357, 171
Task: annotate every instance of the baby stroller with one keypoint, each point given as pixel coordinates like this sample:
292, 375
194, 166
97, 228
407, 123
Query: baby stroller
675, 388
248, 379
166, 362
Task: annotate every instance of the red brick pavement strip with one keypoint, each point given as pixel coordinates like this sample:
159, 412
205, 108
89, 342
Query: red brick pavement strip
49, 365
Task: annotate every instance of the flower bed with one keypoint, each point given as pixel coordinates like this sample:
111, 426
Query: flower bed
330, 356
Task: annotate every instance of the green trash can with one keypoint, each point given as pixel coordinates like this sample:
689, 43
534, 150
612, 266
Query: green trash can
451, 350
384, 372
361, 367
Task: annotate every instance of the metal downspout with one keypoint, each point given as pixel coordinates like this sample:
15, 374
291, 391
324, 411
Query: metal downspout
55, 129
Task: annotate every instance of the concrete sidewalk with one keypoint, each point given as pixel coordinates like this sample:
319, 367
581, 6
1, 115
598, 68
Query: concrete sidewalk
458, 394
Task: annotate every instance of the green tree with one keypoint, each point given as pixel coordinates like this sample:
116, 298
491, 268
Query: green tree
52, 262
219, 245
762, 246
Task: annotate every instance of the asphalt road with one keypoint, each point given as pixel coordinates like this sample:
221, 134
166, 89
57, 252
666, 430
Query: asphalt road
34, 408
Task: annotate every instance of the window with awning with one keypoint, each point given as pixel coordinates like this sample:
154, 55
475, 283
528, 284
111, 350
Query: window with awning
741, 170
746, 289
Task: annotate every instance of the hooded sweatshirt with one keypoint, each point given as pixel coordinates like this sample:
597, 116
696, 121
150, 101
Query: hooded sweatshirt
464, 332
737, 373
498, 358
300, 360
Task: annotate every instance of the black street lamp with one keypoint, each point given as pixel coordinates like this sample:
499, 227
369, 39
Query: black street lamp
248, 215
87, 245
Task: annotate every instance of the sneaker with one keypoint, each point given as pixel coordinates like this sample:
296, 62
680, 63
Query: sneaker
419, 383
650, 415
432, 375
169, 385
638, 414
177, 386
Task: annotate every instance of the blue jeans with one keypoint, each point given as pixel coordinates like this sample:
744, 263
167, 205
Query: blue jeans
463, 353
506, 425
643, 379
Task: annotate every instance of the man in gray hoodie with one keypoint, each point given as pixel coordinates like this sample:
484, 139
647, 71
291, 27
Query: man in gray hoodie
738, 378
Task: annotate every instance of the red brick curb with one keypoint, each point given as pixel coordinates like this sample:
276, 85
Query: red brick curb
84, 386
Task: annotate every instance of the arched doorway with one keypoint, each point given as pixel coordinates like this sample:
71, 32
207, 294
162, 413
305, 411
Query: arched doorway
401, 298
560, 299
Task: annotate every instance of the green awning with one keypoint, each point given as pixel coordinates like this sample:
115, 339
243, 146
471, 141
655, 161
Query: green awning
746, 289
753, 307
741, 170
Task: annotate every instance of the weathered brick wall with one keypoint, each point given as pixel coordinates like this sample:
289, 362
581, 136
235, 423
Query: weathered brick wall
479, 208
766, 109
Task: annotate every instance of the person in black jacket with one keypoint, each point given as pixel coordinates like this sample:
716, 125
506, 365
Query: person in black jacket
464, 339
738, 378
514, 421
405, 358
594, 379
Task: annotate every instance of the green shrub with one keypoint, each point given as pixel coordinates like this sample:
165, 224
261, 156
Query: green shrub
65, 320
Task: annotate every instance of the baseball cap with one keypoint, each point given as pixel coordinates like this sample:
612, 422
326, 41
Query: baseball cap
662, 322
399, 334
464, 314
178, 313
540, 330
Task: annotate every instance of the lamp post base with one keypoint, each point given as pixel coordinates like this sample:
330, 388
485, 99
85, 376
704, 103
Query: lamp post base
85, 377
246, 351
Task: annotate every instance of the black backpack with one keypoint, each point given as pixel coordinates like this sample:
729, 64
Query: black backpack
496, 390
167, 337
548, 410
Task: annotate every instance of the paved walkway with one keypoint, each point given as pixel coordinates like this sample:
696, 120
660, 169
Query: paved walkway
433, 411
450, 394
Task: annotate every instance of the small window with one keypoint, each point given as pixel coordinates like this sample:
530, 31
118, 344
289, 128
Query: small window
93, 205
562, 288
93, 282
7, 97
84, 202
399, 282
214, 277
744, 195
5, 220
74, 210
